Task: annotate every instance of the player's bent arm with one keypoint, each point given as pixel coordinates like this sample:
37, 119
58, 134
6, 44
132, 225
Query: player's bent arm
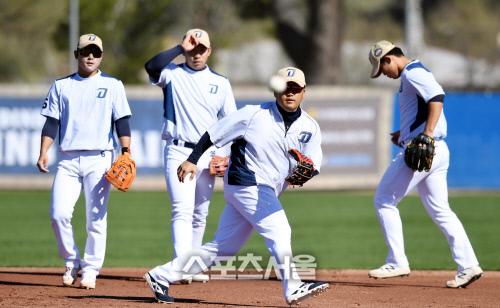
435, 109
156, 64
189, 166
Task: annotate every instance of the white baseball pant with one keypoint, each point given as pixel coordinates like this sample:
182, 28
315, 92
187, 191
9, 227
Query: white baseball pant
189, 200
247, 208
432, 188
77, 169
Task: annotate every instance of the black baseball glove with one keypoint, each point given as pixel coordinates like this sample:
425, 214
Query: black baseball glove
419, 153
304, 170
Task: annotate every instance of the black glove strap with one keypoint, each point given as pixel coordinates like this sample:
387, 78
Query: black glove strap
125, 150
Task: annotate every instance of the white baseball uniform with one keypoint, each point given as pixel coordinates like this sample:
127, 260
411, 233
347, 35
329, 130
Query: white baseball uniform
418, 88
193, 101
86, 109
254, 180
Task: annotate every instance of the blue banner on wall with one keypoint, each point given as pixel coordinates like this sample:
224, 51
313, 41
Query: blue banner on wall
473, 139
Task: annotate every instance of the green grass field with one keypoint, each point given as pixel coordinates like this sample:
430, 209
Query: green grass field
338, 228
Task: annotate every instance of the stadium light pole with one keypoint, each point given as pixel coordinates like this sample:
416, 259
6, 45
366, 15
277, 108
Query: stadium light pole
74, 25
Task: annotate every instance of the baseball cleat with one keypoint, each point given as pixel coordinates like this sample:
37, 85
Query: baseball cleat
70, 275
160, 291
87, 283
389, 271
465, 277
306, 290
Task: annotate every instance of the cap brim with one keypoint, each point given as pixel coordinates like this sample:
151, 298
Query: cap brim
80, 47
376, 70
295, 82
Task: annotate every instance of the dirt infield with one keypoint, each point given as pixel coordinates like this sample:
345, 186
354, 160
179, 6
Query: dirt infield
41, 287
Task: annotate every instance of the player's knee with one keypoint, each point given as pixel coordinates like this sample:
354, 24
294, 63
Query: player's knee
381, 200
284, 235
60, 217
199, 223
182, 213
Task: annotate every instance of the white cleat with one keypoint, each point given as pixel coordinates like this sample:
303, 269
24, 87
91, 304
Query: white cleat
389, 271
306, 290
70, 275
87, 283
465, 277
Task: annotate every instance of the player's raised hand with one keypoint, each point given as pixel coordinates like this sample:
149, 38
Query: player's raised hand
43, 163
189, 43
184, 169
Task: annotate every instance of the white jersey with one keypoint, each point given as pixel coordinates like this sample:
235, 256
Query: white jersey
259, 154
194, 99
418, 88
86, 109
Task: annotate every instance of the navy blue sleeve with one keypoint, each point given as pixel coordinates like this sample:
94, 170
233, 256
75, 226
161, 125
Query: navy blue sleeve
200, 148
123, 127
158, 62
50, 127
437, 98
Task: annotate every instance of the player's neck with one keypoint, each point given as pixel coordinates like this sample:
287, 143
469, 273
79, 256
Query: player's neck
87, 74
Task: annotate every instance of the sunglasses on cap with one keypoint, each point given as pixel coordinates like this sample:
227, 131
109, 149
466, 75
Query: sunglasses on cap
94, 50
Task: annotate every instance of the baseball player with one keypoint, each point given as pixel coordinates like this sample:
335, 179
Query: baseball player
421, 107
194, 98
83, 108
259, 164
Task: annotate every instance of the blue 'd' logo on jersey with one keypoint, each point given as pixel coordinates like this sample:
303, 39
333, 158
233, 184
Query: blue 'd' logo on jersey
213, 88
304, 137
101, 92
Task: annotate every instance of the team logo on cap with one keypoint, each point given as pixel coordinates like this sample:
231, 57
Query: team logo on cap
198, 34
377, 52
92, 37
290, 72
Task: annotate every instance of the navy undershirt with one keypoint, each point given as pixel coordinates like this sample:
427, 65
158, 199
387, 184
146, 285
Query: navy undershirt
289, 117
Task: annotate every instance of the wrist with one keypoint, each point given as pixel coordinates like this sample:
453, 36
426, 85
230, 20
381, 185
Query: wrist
428, 133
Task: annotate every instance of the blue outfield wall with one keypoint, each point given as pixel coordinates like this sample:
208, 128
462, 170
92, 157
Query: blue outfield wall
473, 138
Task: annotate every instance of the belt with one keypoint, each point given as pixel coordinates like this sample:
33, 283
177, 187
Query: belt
406, 142
185, 144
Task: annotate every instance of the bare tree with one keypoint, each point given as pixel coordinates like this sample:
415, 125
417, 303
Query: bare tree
311, 33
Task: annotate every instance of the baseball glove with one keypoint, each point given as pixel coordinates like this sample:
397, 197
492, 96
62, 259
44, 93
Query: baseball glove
218, 165
304, 170
122, 172
419, 153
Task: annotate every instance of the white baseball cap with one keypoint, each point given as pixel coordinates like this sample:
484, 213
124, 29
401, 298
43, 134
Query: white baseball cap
377, 52
201, 35
293, 74
89, 39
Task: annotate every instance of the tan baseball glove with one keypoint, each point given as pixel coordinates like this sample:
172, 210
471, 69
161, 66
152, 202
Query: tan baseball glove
218, 165
122, 172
